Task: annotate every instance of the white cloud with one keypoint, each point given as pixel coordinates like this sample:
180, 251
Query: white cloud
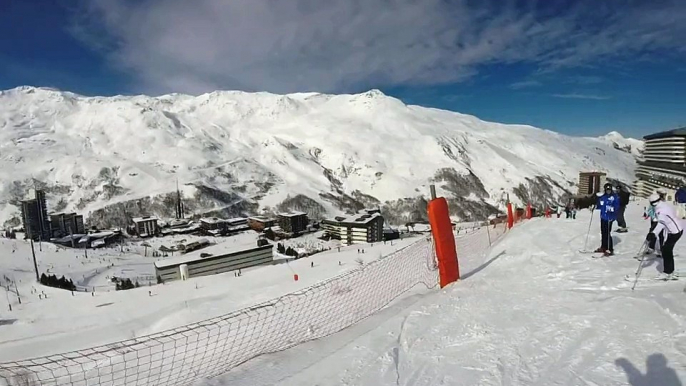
343, 45
582, 96
525, 84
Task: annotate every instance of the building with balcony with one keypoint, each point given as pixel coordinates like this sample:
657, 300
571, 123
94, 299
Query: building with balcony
260, 223
65, 224
663, 164
358, 229
34, 215
293, 222
146, 226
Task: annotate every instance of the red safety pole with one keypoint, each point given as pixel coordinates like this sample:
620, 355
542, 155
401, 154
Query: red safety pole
444, 240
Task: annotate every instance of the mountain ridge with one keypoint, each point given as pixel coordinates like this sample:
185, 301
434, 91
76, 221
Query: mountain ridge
235, 152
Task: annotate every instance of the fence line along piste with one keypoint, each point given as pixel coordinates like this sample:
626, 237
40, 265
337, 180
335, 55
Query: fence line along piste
183, 355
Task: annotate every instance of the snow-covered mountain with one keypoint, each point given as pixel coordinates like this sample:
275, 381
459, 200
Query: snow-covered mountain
240, 153
629, 145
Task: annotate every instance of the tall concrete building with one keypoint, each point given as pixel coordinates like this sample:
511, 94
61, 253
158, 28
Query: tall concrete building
663, 164
34, 215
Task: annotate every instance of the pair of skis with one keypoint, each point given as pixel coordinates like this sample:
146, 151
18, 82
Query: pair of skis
651, 279
594, 254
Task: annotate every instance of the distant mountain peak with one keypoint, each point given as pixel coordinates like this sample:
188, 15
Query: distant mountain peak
618, 141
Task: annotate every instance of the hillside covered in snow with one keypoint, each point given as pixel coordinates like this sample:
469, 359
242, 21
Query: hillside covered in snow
236, 153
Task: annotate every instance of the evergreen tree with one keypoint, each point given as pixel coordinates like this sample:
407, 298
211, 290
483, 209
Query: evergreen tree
269, 233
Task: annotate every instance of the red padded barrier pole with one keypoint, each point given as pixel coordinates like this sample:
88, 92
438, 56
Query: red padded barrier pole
528, 211
444, 241
510, 216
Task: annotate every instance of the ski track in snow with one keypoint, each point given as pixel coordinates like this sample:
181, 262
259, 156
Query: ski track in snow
538, 313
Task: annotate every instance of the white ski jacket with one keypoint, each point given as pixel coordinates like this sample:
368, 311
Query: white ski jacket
666, 219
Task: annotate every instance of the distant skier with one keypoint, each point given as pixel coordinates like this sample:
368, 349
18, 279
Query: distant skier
624, 196
680, 198
570, 210
666, 220
559, 211
608, 204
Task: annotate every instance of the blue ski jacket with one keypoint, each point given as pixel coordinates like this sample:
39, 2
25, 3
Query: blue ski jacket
608, 204
680, 196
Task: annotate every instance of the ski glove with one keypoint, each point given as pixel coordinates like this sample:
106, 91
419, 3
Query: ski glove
651, 237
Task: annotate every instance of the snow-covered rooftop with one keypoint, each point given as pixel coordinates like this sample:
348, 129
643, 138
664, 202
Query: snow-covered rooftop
145, 218
235, 244
212, 220
355, 219
260, 218
292, 214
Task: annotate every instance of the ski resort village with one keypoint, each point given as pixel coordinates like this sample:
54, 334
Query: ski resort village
342, 193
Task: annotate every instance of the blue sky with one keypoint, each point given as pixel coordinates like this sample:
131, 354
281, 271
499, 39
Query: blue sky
577, 67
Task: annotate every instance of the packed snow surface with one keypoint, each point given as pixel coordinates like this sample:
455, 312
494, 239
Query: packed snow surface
100, 315
264, 148
533, 311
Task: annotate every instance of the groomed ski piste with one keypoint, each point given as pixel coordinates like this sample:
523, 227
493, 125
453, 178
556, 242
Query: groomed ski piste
530, 310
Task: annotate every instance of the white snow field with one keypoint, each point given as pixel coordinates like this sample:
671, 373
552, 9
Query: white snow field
533, 311
63, 322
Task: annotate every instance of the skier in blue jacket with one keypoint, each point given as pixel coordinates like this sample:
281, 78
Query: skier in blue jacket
608, 203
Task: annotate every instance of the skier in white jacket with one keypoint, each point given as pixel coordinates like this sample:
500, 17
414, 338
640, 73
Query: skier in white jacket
667, 220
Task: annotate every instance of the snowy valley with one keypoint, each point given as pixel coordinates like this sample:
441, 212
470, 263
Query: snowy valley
236, 153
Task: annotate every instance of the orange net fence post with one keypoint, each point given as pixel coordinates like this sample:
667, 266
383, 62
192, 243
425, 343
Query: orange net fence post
444, 241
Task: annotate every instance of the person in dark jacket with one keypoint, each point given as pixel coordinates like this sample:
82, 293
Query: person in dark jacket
680, 198
624, 196
608, 205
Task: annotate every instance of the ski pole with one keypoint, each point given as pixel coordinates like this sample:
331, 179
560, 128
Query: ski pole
588, 232
640, 264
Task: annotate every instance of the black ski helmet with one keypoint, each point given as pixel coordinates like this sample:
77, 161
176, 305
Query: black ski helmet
607, 186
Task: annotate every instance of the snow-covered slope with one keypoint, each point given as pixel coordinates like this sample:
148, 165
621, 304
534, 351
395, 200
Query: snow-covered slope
629, 145
533, 311
237, 153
